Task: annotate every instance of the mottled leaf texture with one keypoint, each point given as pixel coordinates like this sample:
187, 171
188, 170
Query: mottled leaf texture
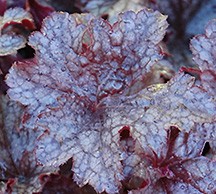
76, 85
17, 144
16, 15
11, 41
176, 165
9, 44
209, 81
195, 175
179, 103
204, 49
73, 58
149, 120
196, 181
182, 170
77, 66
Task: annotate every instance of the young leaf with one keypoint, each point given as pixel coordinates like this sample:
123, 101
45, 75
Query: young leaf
183, 170
182, 105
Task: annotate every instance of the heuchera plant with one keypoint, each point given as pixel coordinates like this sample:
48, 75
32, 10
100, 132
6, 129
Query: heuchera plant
80, 105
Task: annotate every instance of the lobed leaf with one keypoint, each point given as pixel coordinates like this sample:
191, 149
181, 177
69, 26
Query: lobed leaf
178, 103
77, 82
83, 136
66, 64
170, 131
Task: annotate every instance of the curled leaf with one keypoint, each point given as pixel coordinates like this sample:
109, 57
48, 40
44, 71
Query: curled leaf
18, 21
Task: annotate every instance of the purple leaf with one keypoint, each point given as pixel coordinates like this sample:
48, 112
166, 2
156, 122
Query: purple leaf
91, 143
76, 88
17, 144
73, 72
11, 40
149, 117
204, 51
17, 16
9, 44
170, 132
183, 170
209, 81
203, 48
111, 65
